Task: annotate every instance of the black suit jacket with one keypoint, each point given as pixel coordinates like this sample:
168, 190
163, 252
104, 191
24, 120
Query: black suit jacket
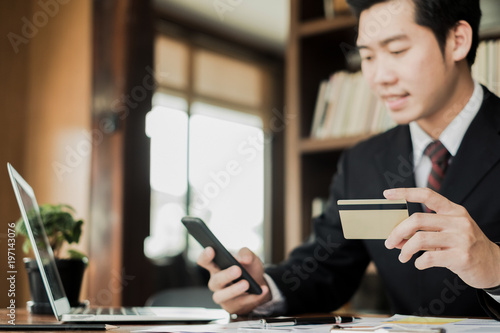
323, 274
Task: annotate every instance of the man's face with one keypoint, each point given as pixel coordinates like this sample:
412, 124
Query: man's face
403, 62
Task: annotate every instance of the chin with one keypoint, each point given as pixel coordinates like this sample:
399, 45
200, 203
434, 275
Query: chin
401, 119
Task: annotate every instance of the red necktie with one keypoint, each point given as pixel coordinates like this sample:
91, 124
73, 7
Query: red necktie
439, 156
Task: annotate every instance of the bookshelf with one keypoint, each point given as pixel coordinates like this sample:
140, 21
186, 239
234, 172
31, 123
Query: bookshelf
313, 146
316, 49
314, 52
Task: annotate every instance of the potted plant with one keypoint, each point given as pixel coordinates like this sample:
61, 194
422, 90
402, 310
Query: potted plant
61, 227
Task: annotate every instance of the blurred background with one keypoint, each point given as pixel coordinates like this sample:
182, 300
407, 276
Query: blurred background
137, 113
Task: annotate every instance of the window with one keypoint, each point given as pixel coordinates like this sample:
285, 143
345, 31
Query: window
167, 126
224, 172
207, 156
226, 175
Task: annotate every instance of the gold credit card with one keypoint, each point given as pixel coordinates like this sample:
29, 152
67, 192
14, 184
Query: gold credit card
371, 218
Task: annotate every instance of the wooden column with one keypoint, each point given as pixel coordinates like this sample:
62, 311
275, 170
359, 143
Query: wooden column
293, 208
123, 85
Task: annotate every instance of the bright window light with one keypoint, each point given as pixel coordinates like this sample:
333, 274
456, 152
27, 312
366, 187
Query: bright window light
167, 126
168, 131
226, 175
224, 172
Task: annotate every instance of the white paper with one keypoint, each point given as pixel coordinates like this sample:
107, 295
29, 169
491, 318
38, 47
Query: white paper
463, 326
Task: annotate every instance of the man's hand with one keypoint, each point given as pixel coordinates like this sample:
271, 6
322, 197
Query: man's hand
450, 238
233, 296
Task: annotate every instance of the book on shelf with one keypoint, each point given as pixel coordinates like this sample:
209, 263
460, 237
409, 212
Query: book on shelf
335, 7
345, 107
486, 69
320, 110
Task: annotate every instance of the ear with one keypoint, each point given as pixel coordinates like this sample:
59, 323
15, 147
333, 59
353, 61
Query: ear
461, 40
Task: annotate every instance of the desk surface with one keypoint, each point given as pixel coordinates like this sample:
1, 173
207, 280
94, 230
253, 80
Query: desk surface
24, 317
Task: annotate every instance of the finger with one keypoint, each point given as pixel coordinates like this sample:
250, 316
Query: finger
399, 245
245, 256
247, 302
440, 258
416, 222
424, 241
250, 301
205, 260
237, 289
222, 279
428, 197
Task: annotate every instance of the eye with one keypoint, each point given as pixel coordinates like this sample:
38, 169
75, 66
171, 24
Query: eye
398, 52
366, 57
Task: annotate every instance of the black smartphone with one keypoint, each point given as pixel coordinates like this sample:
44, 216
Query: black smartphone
199, 230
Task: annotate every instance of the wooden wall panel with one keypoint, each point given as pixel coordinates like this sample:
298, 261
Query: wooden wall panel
58, 147
45, 99
13, 99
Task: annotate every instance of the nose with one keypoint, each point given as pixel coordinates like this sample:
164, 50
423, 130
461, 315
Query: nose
383, 72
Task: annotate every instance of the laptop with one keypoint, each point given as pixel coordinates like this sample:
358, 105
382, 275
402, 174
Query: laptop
55, 291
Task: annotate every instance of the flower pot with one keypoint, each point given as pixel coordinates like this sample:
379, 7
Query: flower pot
71, 272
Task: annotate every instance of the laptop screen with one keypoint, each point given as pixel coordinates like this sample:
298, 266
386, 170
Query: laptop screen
39, 242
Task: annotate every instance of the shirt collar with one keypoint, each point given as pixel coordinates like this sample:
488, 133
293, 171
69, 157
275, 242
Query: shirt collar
453, 134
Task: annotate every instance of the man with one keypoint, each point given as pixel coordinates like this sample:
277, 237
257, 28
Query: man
443, 259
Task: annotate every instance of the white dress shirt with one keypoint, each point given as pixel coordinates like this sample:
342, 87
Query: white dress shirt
451, 137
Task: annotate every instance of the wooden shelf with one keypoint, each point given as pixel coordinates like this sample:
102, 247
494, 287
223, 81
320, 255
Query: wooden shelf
311, 146
489, 33
324, 25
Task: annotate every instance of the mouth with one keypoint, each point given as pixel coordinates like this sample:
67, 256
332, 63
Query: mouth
395, 102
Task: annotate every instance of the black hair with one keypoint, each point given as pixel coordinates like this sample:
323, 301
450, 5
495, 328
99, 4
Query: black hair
438, 15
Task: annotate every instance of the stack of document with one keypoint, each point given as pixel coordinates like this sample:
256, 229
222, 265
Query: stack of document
403, 323
394, 324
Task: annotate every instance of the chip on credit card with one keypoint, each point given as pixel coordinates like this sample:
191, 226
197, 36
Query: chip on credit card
371, 218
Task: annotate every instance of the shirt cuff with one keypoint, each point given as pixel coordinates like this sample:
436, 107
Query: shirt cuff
496, 298
276, 305
494, 293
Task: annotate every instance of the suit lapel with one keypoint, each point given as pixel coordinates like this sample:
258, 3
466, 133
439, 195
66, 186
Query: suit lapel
478, 152
395, 162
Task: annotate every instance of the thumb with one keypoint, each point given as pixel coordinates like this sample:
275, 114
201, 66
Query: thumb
245, 256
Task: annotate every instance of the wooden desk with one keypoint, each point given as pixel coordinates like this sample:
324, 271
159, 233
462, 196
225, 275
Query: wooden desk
24, 317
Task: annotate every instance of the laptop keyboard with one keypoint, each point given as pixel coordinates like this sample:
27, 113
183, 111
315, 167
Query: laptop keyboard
130, 311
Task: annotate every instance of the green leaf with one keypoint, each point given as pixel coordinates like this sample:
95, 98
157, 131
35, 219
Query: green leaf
59, 224
77, 231
20, 227
74, 254
26, 246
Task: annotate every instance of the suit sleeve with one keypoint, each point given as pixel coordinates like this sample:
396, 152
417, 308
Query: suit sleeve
322, 274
